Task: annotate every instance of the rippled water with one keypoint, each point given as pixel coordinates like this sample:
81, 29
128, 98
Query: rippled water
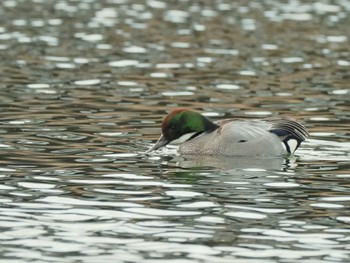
84, 87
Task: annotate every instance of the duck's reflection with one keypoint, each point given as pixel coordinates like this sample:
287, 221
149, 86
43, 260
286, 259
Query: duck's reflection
228, 163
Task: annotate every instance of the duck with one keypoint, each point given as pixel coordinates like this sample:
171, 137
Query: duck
198, 135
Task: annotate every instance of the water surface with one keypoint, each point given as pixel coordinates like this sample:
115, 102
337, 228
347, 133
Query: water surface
84, 87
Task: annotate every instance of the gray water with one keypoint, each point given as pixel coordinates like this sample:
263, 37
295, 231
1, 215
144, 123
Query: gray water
84, 86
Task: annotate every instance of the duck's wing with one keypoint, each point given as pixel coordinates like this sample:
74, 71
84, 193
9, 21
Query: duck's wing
291, 133
235, 130
246, 138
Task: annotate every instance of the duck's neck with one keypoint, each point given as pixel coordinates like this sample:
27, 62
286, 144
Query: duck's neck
208, 124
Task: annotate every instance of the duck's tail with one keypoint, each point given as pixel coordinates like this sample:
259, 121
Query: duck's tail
291, 133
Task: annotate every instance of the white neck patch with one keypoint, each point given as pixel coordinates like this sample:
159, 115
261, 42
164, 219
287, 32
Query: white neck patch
183, 138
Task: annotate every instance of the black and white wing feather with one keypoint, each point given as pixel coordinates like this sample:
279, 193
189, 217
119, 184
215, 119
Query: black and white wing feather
291, 133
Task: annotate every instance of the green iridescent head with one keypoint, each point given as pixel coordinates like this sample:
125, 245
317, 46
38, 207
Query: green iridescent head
181, 125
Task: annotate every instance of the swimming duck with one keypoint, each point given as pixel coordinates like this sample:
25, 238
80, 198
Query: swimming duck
198, 135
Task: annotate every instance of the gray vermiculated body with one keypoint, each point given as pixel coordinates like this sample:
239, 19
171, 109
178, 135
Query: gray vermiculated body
239, 138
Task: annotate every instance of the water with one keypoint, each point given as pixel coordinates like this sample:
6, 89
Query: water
84, 87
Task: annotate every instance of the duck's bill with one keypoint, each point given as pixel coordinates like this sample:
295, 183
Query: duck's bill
162, 141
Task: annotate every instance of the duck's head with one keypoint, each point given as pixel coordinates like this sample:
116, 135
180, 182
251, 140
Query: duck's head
181, 125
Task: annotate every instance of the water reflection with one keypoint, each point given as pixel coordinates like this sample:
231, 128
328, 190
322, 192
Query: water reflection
84, 85
226, 163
